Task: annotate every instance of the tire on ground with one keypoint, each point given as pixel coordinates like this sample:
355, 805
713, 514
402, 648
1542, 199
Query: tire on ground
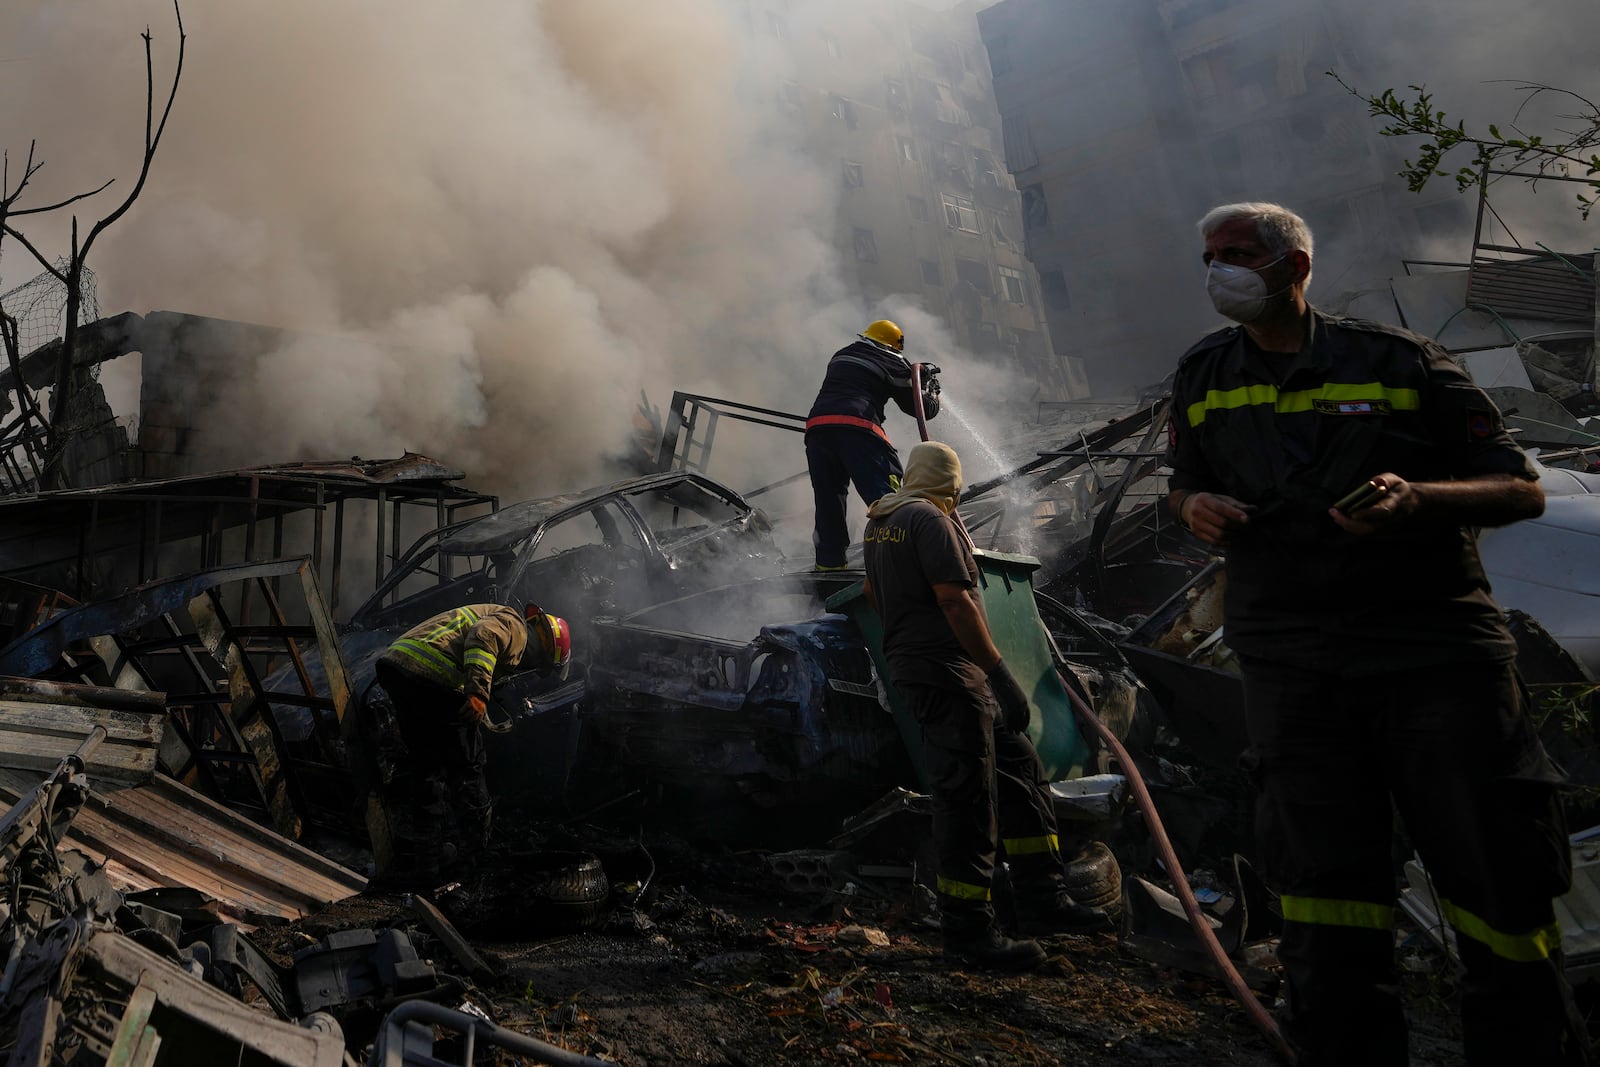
547, 892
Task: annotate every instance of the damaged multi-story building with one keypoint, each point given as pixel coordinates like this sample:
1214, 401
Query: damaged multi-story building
1125, 122
895, 102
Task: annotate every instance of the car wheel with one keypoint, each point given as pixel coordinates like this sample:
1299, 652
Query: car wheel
534, 894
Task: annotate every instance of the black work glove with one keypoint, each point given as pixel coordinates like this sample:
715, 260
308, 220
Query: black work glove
930, 371
1015, 710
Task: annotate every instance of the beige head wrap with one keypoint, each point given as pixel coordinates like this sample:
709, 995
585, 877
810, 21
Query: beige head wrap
933, 473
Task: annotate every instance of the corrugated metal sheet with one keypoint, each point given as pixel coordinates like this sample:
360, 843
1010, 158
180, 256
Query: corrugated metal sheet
170, 835
1558, 287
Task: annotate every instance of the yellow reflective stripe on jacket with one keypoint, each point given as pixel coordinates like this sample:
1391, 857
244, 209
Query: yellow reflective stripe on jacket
1531, 947
428, 656
1032, 846
431, 660
1360, 914
479, 657
962, 890
1298, 400
463, 619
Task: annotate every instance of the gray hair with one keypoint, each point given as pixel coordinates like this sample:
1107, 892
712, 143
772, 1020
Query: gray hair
1280, 229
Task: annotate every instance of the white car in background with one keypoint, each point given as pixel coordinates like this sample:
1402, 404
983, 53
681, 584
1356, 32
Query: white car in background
1549, 567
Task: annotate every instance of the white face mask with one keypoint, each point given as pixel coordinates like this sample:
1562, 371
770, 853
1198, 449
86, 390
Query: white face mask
1239, 292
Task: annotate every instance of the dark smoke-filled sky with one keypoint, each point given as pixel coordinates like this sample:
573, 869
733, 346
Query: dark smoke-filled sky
531, 210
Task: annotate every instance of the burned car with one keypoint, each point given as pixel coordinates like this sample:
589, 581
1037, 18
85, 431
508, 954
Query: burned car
605, 551
701, 671
699, 667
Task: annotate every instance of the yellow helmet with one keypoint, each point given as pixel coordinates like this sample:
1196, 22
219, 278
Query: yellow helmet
886, 334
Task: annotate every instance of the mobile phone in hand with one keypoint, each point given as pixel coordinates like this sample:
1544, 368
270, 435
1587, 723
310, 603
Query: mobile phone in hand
1362, 495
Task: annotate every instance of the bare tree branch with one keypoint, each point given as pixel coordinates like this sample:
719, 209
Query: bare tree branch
67, 373
44, 261
150, 141
45, 208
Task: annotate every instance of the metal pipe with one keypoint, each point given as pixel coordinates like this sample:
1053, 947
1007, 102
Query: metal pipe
391, 1050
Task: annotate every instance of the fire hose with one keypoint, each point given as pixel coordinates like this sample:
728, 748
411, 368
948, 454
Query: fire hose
1169, 859
1090, 721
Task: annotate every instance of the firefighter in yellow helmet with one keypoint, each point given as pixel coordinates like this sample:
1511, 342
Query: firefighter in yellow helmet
845, 440
439, 676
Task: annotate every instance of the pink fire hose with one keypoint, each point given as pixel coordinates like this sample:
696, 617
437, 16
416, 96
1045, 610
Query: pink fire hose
1191, 907
1230, 975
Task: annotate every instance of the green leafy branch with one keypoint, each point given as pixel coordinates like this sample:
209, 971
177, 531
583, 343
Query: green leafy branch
1574, 153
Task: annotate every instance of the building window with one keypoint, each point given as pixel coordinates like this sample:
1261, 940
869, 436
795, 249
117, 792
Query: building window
1053, 287
777, 24
1035, 209
830, 44
1011, 282
908, 150
866, 245
985, 168
998, 228
919, 208
1000, 54
852, 174
975, 273
960, 213
790, 96
842, 109
930, 273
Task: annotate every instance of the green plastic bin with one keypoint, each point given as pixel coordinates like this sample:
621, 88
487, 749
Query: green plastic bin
1006, 582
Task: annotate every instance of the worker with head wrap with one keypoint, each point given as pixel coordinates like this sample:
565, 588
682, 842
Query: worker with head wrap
988, 784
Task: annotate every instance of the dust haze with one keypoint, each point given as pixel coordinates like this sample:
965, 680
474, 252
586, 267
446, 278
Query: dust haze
528, 215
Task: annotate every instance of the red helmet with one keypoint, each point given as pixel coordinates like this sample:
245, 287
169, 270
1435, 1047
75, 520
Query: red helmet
555, 639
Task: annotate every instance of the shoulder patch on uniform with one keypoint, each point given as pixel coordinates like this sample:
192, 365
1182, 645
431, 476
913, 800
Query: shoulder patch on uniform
1210, 341
1480, 423
1369, 326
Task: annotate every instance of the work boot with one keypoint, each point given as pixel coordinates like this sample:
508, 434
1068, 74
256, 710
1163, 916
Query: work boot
1055, 912
977, 940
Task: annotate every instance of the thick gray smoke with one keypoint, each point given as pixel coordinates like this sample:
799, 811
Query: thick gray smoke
529, 211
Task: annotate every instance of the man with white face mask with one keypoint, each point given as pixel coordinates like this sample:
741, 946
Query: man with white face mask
1379, 676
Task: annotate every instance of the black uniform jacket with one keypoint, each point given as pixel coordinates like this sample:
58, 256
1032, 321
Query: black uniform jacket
861, 379
1290, 434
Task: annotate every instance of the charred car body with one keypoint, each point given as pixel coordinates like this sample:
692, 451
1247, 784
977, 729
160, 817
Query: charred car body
700, 672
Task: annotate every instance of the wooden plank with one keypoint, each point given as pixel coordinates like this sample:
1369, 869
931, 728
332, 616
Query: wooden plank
37, 736
167, 834
89, 696
134, 1031
23, 752
442, 928
70, 721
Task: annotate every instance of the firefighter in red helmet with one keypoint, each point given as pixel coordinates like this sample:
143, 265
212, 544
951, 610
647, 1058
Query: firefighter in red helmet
439, 676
